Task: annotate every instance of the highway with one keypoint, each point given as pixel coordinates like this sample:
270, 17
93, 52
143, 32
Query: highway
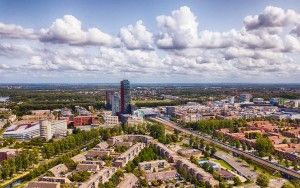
263, 162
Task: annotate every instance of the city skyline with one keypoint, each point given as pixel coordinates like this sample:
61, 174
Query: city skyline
158, 42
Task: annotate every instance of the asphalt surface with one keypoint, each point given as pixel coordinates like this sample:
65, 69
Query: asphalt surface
237, 164
274, 166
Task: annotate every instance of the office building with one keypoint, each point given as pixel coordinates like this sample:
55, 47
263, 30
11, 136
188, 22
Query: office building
231, 101
115, 102
23, 131
54, 128
170, 110
65, 112
84, 120
125, 97
245, 97
82, 111
108, 99
44, 128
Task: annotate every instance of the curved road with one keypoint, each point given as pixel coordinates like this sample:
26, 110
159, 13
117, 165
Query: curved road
290, 172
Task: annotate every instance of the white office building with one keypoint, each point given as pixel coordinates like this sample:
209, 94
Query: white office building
54, 128
23, 131
45, 129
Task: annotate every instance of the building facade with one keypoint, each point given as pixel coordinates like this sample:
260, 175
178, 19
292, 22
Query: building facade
115, 102
108, 99
125, 97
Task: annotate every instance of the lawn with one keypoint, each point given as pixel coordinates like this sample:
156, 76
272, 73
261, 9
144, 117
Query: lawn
224, 164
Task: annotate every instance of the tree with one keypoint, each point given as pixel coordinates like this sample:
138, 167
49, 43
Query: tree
192, 140
237, 181
80, 176
157, 130
207, 148
288, 185
244, 146
12, 165
202, 145
270, 157
213, 151
237, 144
286, 162
262, 180
264, 146
5, 169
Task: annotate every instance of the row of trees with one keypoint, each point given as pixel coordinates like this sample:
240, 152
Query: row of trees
70, 142
79, 138
43, 167
158, 131
23, 161
209, 126
158, 103
197, 143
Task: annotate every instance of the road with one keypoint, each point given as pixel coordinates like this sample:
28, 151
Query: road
263, 162
237, 164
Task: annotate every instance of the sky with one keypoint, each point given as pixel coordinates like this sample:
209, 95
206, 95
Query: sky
150, 41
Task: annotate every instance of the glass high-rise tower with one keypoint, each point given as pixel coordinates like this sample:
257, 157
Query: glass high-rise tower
125, 107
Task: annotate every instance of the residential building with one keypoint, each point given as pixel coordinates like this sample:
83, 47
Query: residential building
163, 175
82, 111
43, 184
151, 166
111, 120
129, 155
58, 170
66, 112
129, 181
6, 153
88, 167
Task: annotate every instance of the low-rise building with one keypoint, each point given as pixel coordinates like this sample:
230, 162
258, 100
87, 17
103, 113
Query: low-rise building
84, 120
6, 153
98, 153
43, 184
163, 175
110, 120
181, 162
58, 170
190, 152
129, 155
88, 167
150, 166
129, 181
